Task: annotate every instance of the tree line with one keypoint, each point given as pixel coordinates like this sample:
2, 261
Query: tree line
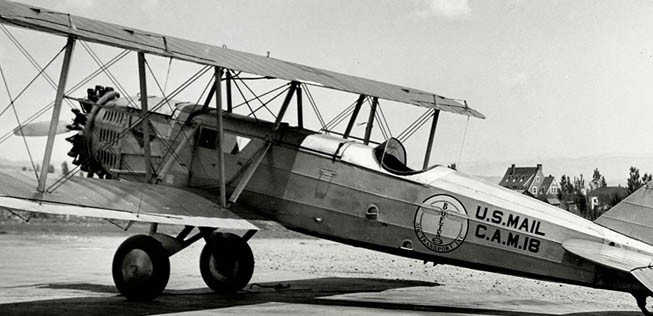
573, 193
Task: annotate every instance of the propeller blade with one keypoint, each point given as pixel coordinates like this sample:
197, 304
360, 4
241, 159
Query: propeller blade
36, 129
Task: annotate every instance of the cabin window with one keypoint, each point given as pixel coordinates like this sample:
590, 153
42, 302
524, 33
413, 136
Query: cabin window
241, 143
231, 143
207, 138
534, 190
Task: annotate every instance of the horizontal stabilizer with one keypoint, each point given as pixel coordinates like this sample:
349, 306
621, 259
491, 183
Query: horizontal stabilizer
121, 200
609, 256
636, 263
633, 216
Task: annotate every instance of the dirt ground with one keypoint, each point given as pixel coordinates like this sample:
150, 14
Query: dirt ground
68, 262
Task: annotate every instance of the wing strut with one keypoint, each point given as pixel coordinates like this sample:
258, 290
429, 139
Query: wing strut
229, 102
429, 146
286, 103
220, 138
370, 121
300, 108
249, 172
56, 110
352, 120
258, 156
144, 121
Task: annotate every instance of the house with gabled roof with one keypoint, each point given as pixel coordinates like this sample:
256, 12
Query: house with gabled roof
531, 180
549, 191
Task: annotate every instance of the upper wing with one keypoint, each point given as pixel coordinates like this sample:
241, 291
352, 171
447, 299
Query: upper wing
640, 265
114, 199
119, 36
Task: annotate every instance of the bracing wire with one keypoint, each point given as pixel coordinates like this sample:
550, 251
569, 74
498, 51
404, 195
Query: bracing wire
254, 94
413, 127
135, 123
462, 144
165, 85
319, 116
83, 82
385, 121
285, 85
381, 127
165, 97
107, 72
273, 98
242, 95
31, 59
20, 126
29, 84
181, 130
385, 129
336, 120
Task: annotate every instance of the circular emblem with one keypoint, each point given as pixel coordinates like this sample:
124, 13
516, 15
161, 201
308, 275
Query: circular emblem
443, 226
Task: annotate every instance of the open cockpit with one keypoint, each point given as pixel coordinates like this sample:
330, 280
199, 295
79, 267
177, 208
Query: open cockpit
391, 156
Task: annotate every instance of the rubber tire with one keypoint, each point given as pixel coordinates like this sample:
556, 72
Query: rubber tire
231, 254
142, 289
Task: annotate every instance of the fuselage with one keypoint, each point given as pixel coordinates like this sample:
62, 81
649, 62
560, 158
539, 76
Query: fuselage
338, 189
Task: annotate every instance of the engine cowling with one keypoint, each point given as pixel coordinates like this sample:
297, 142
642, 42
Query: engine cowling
81, 142
110, 141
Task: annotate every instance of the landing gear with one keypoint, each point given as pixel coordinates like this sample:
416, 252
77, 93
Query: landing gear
141, 268
641, 303
226, 263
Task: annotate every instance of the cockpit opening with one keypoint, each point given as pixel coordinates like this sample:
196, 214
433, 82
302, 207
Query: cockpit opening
391, 155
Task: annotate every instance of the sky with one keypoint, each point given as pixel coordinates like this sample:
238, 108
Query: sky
556, 79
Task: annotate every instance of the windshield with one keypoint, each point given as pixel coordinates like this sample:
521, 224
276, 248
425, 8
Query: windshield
391, 155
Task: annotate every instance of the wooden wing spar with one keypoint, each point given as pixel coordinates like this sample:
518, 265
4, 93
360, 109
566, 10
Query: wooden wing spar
90, 30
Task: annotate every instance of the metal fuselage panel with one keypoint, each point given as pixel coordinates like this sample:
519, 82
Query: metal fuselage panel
335, 189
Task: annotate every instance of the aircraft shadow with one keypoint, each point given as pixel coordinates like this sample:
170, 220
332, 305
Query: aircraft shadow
308, 291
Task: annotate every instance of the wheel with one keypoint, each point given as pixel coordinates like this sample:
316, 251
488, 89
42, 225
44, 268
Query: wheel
141, 268
226, 263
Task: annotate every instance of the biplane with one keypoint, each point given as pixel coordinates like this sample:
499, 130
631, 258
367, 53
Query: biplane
206, 169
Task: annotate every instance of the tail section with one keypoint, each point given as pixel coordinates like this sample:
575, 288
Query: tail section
633, 216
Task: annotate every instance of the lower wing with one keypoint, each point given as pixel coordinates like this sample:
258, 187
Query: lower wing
121, 200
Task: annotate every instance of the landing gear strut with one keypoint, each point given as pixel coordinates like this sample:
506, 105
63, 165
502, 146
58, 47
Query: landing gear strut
226, 263
641, 303
141, 268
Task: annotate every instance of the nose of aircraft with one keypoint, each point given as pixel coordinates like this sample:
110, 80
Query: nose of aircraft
80, 149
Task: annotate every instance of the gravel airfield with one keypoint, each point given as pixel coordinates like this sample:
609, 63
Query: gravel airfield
51, 268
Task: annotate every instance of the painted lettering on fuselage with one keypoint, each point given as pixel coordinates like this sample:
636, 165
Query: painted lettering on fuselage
516, 232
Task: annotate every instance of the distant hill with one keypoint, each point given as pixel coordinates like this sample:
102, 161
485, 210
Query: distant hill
10, 164
491, 179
